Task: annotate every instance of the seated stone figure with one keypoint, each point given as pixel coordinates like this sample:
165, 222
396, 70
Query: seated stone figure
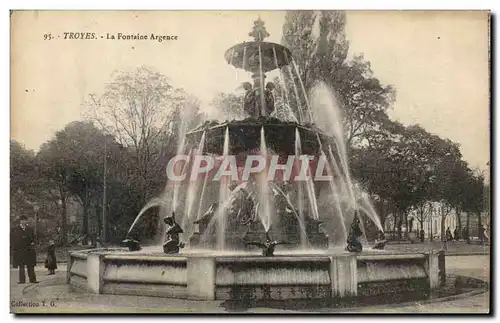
380, 242
172, 243
249, 101
353, 240
269, 97
252, 103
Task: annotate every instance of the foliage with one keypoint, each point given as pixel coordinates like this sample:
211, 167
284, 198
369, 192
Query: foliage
473, 200
363, 98
230, 105
137, 124
322, 57
73, 161
148, 116
410, 167
23, 175
134, 127
317, 41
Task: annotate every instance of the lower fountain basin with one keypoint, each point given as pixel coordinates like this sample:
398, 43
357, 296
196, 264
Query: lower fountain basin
239, 276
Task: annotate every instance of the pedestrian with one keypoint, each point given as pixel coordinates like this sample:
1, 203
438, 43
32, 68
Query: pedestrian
51, 261
24, 253
466, 235
482, 235
456, 234
449, 237
422, 235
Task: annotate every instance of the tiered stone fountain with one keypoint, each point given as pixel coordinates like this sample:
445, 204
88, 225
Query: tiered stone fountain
217, 262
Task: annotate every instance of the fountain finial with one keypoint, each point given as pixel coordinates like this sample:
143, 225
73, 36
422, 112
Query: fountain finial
259, 31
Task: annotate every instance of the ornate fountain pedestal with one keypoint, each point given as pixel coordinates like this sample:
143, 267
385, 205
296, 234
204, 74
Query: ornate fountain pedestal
252, 277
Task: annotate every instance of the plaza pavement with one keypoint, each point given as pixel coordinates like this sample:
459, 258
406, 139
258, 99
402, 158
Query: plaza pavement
52, 295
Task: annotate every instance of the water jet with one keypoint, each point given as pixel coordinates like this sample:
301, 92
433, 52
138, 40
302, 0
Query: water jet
221, 222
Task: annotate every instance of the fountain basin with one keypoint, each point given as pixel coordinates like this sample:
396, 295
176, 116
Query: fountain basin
252, 277
244, 136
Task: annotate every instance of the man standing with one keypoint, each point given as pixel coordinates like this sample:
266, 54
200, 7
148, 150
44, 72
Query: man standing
24, 254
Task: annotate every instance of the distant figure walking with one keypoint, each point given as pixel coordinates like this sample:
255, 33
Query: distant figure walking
51, 261
483, 237
449, 237
410, 225
487, 234
24, 254
422, 235
466, 235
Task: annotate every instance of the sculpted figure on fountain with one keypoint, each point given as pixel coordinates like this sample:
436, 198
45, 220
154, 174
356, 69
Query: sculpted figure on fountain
268, 246
172, 243
131, 244
252, 103
353, 240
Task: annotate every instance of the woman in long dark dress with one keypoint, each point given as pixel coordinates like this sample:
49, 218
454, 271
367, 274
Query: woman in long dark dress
51, 261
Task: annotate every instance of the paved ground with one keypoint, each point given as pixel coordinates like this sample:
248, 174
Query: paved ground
53, 295
452, 247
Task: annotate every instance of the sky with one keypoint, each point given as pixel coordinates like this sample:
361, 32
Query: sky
437, 61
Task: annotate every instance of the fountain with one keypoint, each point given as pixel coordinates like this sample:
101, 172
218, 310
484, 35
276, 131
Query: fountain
298, 216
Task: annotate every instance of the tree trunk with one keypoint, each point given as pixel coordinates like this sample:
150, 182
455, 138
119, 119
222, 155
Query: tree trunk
459, 220
382, 215
443, 227
467, 234
405, 215
431, 228
480, 227
400, 224
85, 221
64, 220
444, 238
98, 213
85, 226
394, 224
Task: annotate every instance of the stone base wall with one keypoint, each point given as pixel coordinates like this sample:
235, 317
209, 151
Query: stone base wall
252, 278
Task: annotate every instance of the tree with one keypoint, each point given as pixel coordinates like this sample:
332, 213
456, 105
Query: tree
317, 41
404, 166
230, 105
473, 201
321, 57
452, 174
32, 193
423, 212
443, 159
23, 179
73, 161
147, 115
363, 98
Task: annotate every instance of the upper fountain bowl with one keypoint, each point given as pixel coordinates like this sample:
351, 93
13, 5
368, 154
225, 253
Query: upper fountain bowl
249, 55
